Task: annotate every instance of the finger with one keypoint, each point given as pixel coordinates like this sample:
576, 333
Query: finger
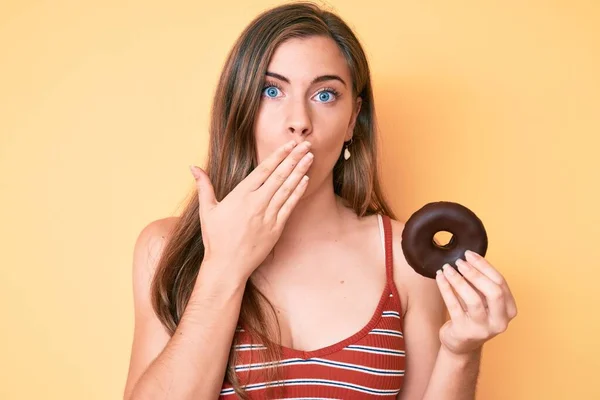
484, 267
290, 184
282, 172
511, 305
481, 295
206, 192
259, 175
481, 264
462, 302
494, 295
475, 307
450, 299
292, 200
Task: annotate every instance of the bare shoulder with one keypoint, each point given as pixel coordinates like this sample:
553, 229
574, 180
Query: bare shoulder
150, 244
149, 337
413, 287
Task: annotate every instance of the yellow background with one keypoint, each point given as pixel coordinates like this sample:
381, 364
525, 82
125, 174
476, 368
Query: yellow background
103, 104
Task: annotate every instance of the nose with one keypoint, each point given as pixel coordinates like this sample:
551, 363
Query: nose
298, 119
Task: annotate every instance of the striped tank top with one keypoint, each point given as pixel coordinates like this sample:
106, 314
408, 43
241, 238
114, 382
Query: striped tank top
367, 365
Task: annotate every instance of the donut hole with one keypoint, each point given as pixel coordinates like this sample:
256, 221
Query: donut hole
443, 239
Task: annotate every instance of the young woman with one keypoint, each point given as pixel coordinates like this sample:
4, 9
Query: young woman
274, 285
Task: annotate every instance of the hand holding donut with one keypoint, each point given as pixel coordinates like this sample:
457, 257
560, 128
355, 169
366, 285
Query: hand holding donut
489, 305
478, 299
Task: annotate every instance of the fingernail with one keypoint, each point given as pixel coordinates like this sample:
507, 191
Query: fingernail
472, 255
194, 171
290, 145
307, 145
462, 264
438, 272
448, 269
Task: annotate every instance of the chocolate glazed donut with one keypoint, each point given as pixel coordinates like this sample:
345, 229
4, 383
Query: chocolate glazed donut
420, 249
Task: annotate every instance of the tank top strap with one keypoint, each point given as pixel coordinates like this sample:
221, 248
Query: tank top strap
385, 228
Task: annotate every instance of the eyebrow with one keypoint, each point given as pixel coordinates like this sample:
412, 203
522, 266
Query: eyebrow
318, 79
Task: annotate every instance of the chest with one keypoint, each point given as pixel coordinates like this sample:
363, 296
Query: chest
324, 295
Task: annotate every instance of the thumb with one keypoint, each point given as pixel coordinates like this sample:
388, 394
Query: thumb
206, 192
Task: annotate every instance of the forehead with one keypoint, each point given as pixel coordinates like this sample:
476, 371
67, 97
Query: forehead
304, 58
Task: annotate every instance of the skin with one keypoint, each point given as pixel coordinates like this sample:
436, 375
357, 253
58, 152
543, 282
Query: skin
324, 268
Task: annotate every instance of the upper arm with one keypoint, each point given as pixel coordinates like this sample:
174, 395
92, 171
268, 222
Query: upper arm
149, 336
424, 316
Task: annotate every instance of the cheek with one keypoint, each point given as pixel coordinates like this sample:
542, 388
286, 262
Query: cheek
329, 134
267, 134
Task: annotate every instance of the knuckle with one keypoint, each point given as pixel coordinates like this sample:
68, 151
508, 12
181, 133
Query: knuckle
455, 308
499, 279
256, 209
474, 303
286, 190
483, 336
496, 294
280, 177
263, 169
267, 218
499, 327
482, 333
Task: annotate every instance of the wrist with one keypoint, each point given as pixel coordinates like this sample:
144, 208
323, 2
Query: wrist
219, 274
461, 359
215, 290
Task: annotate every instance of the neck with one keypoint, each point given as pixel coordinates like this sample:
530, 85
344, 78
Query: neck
317, 213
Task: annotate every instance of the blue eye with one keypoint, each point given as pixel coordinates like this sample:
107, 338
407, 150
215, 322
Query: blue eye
324, 96
271, 91
327, 96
